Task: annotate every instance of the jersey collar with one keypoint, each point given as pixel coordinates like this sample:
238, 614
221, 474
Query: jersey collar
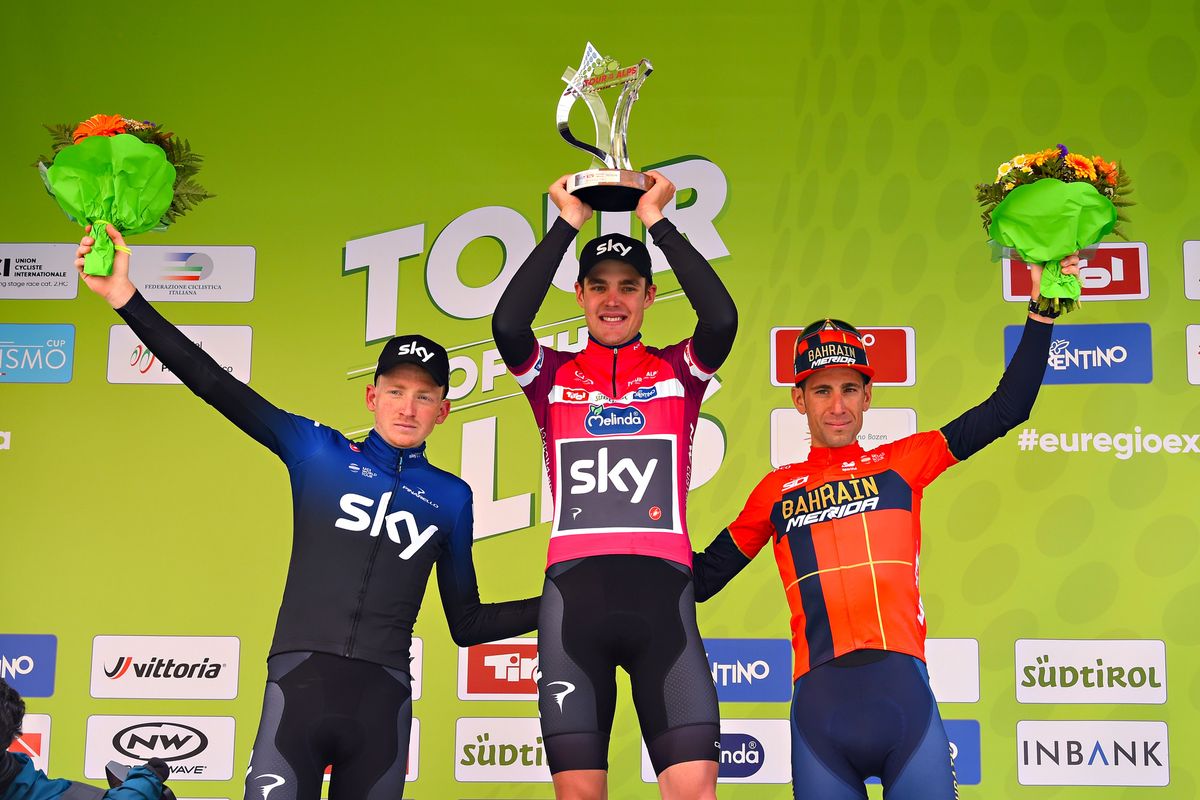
824, 456
396, 458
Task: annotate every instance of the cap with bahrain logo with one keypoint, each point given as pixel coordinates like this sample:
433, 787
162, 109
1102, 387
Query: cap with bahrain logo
617, 247
830, 343
413, 348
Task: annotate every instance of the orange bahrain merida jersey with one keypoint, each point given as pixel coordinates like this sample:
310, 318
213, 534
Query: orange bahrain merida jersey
846, 526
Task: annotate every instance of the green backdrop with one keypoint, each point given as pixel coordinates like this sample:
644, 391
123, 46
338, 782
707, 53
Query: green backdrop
850, 136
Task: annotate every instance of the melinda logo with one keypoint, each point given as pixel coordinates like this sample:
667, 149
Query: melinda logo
27, 663
36, 353
614, 420
1092, 753
1091, 671
165, 667
741, 755
752, 751
1100, 353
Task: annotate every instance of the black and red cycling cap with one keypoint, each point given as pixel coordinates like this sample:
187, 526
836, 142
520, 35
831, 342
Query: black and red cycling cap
829, 343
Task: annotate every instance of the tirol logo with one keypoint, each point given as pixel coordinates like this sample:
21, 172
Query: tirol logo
36, 353
1097, 353
502, 670
751, 670
575, 395
358, 519
615, 484
166, 740
1091, 671
741, 755
1110, 271
613, 420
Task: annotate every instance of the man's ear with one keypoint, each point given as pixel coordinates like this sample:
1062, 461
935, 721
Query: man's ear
798, 398
372, 398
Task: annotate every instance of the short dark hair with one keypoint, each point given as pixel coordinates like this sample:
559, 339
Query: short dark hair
12, 712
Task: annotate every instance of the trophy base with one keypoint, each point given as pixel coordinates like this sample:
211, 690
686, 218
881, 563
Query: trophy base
609, 189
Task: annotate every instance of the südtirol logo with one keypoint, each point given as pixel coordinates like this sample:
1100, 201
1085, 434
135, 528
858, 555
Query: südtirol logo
499, 750
1091, 671
613, 420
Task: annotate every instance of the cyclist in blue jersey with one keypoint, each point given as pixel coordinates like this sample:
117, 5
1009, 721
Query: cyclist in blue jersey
371, 520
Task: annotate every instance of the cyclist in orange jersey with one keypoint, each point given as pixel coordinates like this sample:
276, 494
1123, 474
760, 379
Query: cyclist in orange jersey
846, 529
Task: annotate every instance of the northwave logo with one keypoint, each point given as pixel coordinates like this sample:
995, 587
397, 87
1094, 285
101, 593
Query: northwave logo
169, 741
614, 420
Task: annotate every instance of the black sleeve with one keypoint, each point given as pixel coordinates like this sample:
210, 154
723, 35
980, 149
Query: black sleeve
237, 402
512, 321
1013, 399
716, 566
470, 621
716, 315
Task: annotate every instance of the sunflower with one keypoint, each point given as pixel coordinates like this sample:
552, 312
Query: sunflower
99, 125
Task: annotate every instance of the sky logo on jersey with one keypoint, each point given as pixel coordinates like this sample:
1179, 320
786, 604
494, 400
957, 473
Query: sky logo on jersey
741, 755
27, 663
357, 518
503, 670
1095, 353
616, 484
751, 670
36, 353
614, 420
1110, 271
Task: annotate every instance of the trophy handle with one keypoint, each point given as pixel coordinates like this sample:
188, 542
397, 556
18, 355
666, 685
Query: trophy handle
599, 116
629, 93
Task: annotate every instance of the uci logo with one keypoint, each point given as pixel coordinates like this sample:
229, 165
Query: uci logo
613, 246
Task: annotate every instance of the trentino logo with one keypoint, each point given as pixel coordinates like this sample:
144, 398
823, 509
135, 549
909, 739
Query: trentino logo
751, 670
646, 393
614, 420
163, 668
27, 663
741, 755
1096, 353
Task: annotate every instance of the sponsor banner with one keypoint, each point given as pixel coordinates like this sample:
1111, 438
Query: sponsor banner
1193, 354
791, 440
1092, 753
38, 271
1096, 353
751, 670
752, 751
612, 484
34, 740
165, 667
499, 750
1191, 270
953, 669
195, 748
891, 351
27, 662
190, 273
1122, 446
130, 361
1091, 671
36, 353
414, 755
965, 749
1111, 271
502, 670
416, 661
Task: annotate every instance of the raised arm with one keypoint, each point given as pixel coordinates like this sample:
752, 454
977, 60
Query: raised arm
270, 426
1012, 401
736, 546
470, 621
512, 322
716, 314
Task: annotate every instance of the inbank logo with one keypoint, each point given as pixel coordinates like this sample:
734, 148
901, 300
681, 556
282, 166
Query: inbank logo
1099, 353
502, 670
751, 670
1091, 671
165, 667
1112, 271
357, 519
195, 748
1092, 753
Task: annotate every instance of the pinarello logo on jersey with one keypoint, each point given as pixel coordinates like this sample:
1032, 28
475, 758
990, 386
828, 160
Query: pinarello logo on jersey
614, 420
741, 755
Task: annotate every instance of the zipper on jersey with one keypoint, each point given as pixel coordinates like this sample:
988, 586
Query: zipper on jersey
366, 578
616, 350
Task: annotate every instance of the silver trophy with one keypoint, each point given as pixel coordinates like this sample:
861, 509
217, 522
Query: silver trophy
611, 184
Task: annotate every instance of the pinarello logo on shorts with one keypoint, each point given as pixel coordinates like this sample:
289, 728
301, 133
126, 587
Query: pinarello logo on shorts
741, 755
614, 420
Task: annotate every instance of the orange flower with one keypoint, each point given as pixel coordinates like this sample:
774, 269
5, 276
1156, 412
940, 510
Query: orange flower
1042, 156
1106, 169
99, 125
1083, 166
